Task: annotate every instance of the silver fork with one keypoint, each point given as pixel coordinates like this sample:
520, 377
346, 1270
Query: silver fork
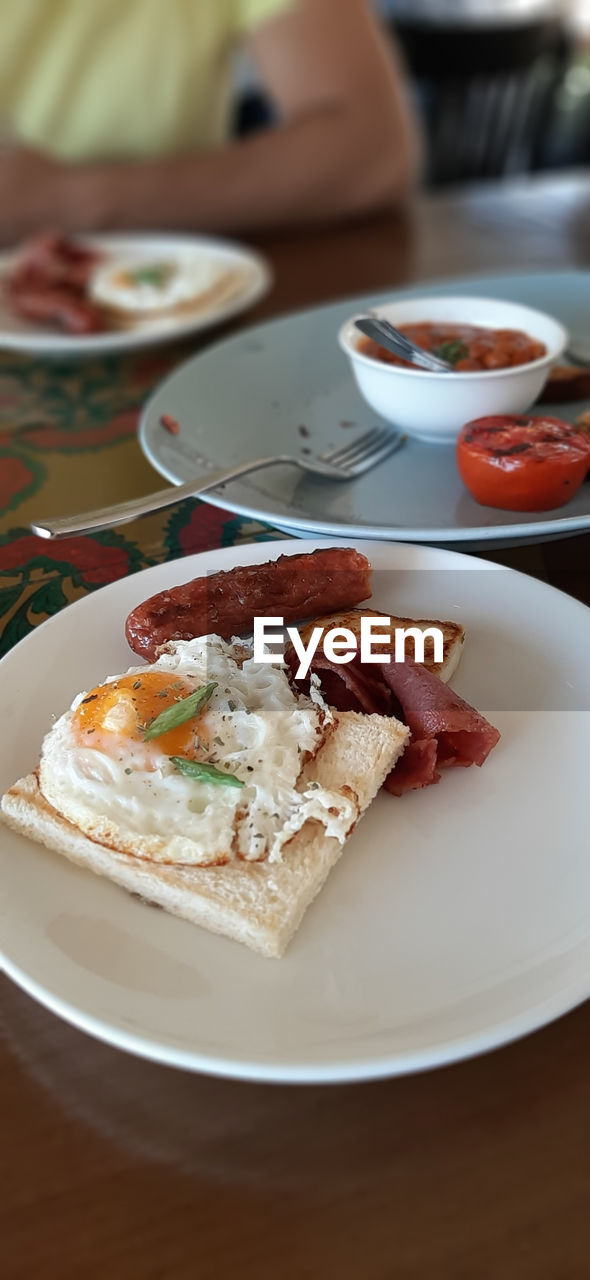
345, 463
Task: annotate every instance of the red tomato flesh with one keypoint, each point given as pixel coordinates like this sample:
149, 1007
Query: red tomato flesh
522, 463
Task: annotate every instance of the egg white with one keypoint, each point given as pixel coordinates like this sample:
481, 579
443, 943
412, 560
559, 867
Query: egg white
191, 274
129, 794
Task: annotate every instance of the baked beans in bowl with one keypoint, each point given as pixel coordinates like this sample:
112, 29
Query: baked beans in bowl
500, 355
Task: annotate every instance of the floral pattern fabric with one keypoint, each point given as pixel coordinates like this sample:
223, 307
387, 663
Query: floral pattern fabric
68, 441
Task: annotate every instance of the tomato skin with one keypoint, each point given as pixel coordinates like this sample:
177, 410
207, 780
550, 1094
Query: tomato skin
522, 463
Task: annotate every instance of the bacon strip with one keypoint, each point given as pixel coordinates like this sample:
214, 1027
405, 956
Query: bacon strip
416, 768
435, 713
346, 688
61, 307
445, 729
49, 282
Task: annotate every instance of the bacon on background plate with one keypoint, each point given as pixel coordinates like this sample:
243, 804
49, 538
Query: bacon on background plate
49, 282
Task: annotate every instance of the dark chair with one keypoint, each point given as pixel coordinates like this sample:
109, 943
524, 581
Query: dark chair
489, 99
487, 94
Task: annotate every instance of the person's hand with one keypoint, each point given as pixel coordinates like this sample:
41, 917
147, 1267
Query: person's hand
33, 193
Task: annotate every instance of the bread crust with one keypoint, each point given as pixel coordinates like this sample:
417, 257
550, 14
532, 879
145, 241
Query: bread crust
259, 904
453, 635
222, 291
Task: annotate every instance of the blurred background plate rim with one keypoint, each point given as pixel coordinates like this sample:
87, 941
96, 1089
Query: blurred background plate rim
42, 340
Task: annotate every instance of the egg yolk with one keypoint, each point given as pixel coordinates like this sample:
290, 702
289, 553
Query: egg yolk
124, 708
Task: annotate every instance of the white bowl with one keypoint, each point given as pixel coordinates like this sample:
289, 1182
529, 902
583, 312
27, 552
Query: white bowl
434, 406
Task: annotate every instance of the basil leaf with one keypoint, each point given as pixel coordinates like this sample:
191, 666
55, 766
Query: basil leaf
157, 274
179, 712
205, 772
451, 351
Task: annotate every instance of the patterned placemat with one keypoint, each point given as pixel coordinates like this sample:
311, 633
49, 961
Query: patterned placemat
68, 442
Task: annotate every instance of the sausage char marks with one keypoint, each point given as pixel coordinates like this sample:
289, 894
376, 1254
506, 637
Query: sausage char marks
225, 604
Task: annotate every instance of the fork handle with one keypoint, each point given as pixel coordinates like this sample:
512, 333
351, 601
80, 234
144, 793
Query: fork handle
123, 512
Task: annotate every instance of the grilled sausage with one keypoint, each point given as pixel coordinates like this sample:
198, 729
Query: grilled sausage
225, 604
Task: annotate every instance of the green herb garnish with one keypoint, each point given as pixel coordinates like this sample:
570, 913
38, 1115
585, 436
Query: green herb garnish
204, 772
451, 351
157, 273
179, 712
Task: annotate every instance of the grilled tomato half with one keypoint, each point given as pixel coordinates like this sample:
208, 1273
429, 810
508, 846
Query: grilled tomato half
522, 463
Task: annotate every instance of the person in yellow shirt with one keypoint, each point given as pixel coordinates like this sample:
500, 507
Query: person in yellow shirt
117, 113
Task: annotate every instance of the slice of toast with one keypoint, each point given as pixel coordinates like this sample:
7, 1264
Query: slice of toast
565, 383
453, 636
260, 904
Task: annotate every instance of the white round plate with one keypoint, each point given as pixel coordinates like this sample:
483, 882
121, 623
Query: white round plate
456, 920
285, 387
251, 279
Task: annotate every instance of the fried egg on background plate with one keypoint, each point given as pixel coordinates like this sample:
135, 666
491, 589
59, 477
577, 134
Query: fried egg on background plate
128, 785
147, 287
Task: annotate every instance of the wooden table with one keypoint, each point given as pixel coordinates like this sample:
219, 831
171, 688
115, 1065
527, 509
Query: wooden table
114, 1167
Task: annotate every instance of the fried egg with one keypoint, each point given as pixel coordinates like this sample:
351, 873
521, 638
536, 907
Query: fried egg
126, 781
145, 287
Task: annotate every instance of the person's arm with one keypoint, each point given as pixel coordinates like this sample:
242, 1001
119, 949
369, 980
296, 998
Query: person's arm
345, 144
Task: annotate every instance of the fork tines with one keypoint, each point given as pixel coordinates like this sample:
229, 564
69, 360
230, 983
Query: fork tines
366, 449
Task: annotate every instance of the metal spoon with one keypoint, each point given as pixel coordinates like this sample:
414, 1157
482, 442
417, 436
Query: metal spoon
386, 335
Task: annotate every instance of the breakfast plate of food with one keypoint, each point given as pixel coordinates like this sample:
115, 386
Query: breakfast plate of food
85, 295
351, 778
309, 381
